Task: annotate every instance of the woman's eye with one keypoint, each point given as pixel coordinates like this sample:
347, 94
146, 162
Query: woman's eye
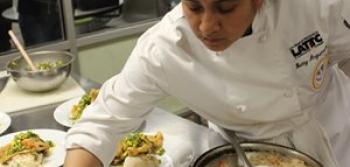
225, 10
194, 7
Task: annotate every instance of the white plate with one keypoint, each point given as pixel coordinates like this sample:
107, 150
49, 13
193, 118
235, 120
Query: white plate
165, 159
178, 150
61, 113
56, 158
5, 122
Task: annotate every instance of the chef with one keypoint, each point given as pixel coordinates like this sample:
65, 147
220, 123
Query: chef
265, 69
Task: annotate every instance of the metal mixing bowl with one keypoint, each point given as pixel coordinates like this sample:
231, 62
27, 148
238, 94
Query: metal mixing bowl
41, 80
220, 152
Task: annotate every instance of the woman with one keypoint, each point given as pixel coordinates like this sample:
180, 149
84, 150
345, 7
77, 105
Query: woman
262, 68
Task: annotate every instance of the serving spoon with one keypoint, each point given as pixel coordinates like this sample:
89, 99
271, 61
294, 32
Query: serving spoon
243, 160
21, 49
240, 152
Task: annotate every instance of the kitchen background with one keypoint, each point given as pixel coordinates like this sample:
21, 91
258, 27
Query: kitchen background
101, 34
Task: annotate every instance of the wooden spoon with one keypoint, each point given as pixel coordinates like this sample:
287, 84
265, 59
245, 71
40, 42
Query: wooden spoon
23, 52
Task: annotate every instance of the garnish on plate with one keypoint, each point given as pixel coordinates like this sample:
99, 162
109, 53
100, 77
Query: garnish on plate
85, 100
26, 148
139, 147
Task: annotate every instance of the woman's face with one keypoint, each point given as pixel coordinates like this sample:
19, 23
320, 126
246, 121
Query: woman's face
219, 23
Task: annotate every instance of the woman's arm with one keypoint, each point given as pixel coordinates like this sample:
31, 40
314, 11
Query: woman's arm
79, 157
120, 107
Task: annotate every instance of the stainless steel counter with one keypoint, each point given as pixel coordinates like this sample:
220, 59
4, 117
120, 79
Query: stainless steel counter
41, 117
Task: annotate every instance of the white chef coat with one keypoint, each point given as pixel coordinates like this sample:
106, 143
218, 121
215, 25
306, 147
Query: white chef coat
262, 86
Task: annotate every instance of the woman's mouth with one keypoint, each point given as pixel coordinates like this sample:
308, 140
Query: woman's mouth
213, 41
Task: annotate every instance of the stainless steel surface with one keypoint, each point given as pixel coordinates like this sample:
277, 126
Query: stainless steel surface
218, 152
71, 36
41, 80
3, 81
136, 10
121, 30
35, 118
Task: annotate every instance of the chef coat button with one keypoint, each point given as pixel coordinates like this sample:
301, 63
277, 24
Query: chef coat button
241, 108
288, 94
263, 37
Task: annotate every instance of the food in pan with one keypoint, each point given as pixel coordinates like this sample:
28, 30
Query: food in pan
270, 159
139, 150
275, 159
84, 101
26, 149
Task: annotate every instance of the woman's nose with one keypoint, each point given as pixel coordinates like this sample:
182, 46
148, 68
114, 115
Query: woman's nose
209, 24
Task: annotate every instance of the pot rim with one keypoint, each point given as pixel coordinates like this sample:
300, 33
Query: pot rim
294, 152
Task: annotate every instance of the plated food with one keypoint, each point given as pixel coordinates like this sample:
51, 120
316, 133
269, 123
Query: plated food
32, 148
275, 159
139, 150
85, 100
25, 149
70, 111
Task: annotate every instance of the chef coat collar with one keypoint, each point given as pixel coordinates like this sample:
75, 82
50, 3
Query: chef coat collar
346, 11
260, 22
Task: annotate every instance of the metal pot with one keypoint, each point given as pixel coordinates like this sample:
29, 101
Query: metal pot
218, 153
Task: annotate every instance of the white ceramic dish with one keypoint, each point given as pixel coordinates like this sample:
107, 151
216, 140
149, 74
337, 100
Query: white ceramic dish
56, 158
166, 161
61, 113
5, 122
178, 150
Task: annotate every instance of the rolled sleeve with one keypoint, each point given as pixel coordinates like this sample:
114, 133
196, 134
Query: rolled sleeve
121, 106
98, 131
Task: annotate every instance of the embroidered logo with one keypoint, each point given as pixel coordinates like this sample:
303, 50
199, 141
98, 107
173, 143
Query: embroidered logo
313, 57
319, 72
305, 45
